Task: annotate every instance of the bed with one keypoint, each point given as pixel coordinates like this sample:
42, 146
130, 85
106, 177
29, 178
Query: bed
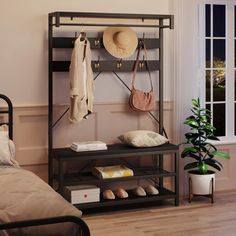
28, 205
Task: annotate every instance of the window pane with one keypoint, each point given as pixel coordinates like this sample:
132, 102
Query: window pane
218, 53
218, 85
235, 87
234, 21
218, 20
235, 53
208, 20
208, 85
235, 119
208, 53
219, 119
208, 107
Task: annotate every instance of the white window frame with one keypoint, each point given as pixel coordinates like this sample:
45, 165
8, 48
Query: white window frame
189, 54
229, 69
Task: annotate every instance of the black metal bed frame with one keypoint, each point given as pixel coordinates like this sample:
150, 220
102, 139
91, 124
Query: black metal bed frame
9, 111
84, 229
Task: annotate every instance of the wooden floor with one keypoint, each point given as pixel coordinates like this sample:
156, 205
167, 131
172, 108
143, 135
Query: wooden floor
198, 218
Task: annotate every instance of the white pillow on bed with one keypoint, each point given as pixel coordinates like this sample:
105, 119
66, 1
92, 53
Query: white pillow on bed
7, 148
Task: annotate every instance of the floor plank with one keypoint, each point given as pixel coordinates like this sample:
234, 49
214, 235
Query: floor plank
198, 218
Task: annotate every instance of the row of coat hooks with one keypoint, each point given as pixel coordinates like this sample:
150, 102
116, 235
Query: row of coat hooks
97, 42
119, 64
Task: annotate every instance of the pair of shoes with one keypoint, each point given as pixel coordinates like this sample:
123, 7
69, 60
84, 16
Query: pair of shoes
150, 190
119, 193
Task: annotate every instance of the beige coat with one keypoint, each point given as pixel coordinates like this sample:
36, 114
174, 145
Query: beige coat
81, 81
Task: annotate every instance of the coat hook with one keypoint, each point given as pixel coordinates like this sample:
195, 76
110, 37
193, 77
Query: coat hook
141, 63
96, 42
119, 64
75, 37
97, 63
141, 41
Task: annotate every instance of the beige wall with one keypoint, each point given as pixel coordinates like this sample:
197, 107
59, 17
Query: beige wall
23, 67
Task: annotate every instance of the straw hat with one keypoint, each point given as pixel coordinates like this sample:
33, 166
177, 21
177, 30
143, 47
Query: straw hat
120, 42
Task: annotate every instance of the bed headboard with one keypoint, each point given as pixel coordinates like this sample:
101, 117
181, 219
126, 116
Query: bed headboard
9, 111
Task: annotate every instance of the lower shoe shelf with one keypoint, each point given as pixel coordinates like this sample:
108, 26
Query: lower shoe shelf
139, 173
132, 199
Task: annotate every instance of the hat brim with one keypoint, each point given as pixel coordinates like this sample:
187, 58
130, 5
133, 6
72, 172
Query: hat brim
113, 48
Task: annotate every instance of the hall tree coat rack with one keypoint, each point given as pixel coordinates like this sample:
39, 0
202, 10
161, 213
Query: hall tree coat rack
61, 156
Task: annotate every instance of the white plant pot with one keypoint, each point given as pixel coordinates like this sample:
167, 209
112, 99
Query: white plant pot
202, 184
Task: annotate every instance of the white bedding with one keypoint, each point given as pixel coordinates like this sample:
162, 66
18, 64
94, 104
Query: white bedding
24, 196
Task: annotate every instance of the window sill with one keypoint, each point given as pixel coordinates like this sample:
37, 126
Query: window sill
224, 142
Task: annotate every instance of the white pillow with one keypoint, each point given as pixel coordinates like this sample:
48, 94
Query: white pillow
142, 138
7, 149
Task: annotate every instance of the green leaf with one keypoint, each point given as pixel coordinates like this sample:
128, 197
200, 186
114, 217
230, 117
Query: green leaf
194, 111
209, 127
192, 123
191, 135
194, 156
212, 137
211, 163
188, 150
212, 146
210, 160
221, 154
191, 166
196, 102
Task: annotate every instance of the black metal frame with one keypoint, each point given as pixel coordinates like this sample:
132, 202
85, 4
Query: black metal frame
84, 229
66, 155
35, 222
159, 22
9, 112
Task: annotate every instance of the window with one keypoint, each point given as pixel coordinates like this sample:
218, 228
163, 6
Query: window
220, 66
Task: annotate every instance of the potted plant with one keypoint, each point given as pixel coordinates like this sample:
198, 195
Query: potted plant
202, 153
